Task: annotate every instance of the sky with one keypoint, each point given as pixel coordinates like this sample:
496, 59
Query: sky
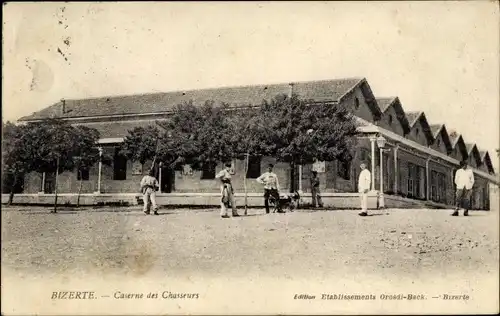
438, 57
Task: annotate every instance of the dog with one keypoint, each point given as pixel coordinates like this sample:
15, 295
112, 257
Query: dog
289, 201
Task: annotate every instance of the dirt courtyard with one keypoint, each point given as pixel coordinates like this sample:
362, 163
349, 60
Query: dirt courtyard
126, 240
392, 244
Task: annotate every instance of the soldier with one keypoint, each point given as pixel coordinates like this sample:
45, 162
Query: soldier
149, 185
464, 180
227, 192
315, 191
271, 187
364, 183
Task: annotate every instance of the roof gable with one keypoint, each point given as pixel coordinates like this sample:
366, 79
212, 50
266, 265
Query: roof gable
324, 90
457, 141
440, 129
486, 160
395, 103
472, 150
414, 117
384, 103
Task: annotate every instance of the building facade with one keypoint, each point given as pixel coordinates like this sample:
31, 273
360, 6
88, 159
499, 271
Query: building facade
412, 161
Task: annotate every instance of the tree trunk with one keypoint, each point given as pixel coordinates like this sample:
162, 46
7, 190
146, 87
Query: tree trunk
292, 176
55, 189
79, 189
12, 188
245, 183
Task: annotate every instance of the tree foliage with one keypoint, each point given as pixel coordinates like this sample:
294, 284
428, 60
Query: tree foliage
15, 161
14, 154
86, 153
141, 144
197, 135
41, 146
297, 131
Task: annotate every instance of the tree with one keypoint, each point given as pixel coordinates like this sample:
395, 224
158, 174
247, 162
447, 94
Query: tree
196, 135
247, 137
55, 146
141, 144
192, 135
14, 157
86, 153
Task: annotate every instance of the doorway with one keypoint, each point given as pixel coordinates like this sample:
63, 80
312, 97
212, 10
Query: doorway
167, 180
50, 182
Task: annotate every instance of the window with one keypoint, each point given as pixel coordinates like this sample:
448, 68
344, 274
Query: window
356, 102
253, 171
442, 187
208, 171
119, 166
434, 186
388, 178
390, 119
82, 174
137, 168
344, 169
416, 131
438, 142
364, 156
415, 181
410, 187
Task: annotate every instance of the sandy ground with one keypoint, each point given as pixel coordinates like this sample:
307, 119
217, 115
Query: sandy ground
391, 244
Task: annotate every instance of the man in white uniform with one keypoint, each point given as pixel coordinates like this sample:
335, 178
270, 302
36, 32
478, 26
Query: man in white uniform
271, 187
464, 180
364, 182
149, 185
227, 192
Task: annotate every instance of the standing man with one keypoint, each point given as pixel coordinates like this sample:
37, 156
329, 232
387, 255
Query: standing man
271, 187
315, 191
149, 185
227, 192
364, 182
464, 180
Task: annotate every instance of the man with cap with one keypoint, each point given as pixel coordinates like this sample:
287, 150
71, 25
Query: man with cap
315, 191
464, 180
149, 185
227, 192
271, 187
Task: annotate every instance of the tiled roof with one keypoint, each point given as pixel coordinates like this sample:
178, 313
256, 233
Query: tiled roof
384, 103
454, 137
469, 147
324, 90
412, 117
436, 128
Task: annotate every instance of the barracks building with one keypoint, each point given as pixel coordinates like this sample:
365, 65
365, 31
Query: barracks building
413, 161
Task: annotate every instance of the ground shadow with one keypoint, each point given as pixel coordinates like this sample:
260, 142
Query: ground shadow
162, 214
142, 214
49, 212
260, 214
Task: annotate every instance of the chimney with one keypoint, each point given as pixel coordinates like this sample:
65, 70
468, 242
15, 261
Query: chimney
63, 106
